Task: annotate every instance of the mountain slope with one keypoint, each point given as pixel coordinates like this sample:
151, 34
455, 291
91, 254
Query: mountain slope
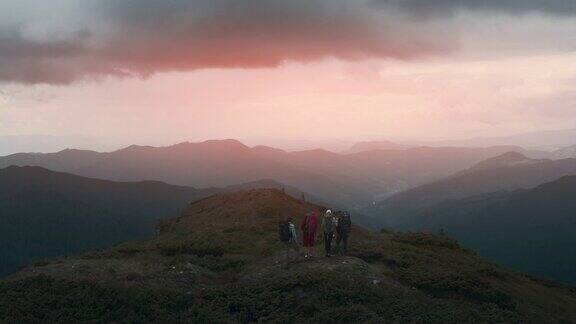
508, 159
46, 213
528, 230
510, 171
220, 262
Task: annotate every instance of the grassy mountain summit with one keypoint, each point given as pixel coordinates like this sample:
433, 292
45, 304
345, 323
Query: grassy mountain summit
220, 261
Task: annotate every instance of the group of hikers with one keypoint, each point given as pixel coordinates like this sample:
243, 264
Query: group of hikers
332, 225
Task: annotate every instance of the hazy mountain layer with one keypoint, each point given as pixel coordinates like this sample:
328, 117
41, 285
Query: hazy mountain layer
375, 145
564, 153
351, 180
539, 140
507, 172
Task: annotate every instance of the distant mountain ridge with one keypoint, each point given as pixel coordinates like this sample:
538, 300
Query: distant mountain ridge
547, 140
564, 153
508, 172
11, 144
509, 159
375, 145
206, 164
351, 180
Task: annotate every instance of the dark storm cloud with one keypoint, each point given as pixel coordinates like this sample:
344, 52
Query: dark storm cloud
141, 37
180, 34
33, 61
514, 7
145, 36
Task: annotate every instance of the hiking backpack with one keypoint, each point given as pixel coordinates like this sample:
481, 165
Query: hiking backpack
344, 223
284, 232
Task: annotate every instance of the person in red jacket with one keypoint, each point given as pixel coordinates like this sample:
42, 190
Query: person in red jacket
308, 226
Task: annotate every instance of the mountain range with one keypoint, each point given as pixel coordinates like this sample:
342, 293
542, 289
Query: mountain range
511, 209
432, 176
507, 172
10, 144
348, 180
220, 261
539, 140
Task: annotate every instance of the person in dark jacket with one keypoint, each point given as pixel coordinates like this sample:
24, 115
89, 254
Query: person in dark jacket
308, 227
343, 228
328, 229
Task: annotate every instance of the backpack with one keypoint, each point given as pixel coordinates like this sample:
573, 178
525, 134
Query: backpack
344, 223
329, 224
284, 232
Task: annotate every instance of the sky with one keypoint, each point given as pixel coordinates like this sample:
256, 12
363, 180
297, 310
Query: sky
106, 73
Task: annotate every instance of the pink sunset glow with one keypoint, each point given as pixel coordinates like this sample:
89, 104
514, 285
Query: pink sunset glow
283, 72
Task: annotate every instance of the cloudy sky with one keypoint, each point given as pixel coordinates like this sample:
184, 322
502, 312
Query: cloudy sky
275, 71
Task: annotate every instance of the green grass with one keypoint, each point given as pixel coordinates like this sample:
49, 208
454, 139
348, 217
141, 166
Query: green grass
241, 276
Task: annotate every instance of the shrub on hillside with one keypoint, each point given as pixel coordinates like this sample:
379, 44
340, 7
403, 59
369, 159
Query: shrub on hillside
425, 239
